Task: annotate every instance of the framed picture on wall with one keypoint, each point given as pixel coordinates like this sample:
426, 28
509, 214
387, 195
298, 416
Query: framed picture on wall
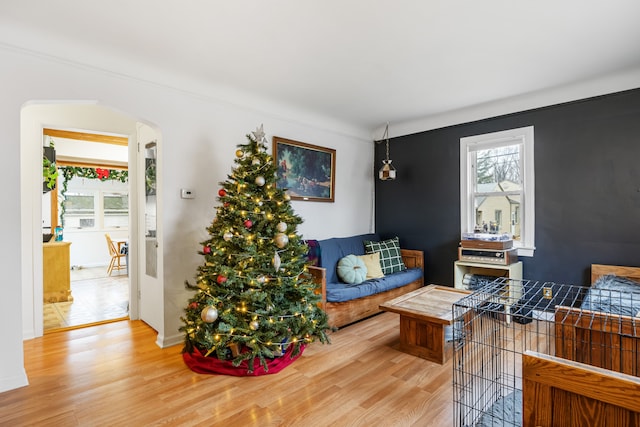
306, 171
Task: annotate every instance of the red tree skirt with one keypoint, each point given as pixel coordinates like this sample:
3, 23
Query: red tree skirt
212, 365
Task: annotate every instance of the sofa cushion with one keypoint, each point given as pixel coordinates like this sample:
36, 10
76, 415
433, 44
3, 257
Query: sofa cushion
352, 270
333, 250
372, 261
390, 256
340, 292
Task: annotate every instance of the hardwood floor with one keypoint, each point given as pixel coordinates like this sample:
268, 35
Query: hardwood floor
114, 375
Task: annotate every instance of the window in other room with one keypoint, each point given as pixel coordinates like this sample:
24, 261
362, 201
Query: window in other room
92, 204
497, 186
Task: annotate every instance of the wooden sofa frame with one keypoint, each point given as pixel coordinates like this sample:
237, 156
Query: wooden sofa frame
343, 313
593, 378
559, 392
605, 340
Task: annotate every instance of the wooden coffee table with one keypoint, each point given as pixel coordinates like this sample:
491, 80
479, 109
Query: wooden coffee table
423, 315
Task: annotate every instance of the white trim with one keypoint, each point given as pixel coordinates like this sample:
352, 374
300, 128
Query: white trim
524, 136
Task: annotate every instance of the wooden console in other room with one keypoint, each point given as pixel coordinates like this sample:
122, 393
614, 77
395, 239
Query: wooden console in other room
56, 272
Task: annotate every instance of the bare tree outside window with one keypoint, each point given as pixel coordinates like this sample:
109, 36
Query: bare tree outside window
498, 164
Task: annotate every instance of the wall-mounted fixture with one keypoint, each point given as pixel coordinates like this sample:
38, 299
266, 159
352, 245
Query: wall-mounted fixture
387, 171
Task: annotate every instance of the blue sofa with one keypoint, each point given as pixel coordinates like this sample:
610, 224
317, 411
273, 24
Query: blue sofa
346, 304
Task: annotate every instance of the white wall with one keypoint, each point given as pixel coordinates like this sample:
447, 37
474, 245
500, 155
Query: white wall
199, 136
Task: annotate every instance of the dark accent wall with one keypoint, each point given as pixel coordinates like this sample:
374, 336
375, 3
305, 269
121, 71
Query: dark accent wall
587, 188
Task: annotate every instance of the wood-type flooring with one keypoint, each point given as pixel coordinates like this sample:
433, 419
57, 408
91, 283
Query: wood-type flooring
115, 375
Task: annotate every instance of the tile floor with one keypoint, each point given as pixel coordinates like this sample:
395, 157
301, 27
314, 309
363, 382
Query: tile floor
96, 298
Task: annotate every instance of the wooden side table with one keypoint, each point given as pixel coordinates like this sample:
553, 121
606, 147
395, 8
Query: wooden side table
423, 315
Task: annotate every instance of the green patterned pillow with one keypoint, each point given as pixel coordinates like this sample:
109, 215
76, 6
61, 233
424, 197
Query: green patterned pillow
390, 258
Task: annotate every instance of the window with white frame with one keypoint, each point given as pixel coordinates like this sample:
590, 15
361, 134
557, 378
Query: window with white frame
497, 186
93, 204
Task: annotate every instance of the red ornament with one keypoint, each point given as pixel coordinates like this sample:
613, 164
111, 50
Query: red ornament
248, 223
193, 305
222, 192
221, 279
206, 249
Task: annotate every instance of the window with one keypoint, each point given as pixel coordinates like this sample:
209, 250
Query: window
116, 210
80, 210
97, 205
497, 186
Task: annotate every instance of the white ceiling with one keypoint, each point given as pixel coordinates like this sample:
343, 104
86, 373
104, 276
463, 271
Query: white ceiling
362, 62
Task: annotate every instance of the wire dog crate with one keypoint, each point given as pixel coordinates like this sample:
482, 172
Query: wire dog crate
494, 326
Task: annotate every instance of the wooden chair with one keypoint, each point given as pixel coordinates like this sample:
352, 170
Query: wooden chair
116, 256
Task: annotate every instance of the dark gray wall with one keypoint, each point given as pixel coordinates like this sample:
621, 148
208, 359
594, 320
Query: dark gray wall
587, 178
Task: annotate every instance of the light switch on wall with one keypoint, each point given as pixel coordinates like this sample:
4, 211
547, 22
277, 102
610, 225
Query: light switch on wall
187, 194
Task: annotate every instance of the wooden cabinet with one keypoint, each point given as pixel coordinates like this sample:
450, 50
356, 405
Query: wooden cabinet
56, 272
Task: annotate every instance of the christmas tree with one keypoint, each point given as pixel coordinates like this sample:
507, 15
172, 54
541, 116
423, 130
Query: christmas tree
254, 297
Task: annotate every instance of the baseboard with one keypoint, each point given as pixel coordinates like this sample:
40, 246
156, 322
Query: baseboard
14, 382
164, 342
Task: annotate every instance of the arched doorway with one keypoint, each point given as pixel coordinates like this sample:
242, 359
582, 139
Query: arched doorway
80, 117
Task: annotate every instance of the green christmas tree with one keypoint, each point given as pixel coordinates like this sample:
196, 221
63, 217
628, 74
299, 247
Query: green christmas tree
254, 295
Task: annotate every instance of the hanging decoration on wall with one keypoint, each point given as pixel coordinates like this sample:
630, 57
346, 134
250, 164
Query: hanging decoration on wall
94, 173
387, 172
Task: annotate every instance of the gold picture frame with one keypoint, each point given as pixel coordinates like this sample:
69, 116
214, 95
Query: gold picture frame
306, 171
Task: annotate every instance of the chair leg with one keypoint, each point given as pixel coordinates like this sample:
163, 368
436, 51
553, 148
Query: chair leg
110, 268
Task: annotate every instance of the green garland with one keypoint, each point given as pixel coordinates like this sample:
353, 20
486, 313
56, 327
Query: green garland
68, 172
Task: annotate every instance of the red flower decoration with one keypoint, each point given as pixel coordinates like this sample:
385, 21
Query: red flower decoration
193, 305
102, 173
221, 279
206, 249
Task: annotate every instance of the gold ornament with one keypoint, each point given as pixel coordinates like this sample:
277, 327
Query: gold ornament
239, 153
281, 240
209, 314
281, 227
260, 181
254, 325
